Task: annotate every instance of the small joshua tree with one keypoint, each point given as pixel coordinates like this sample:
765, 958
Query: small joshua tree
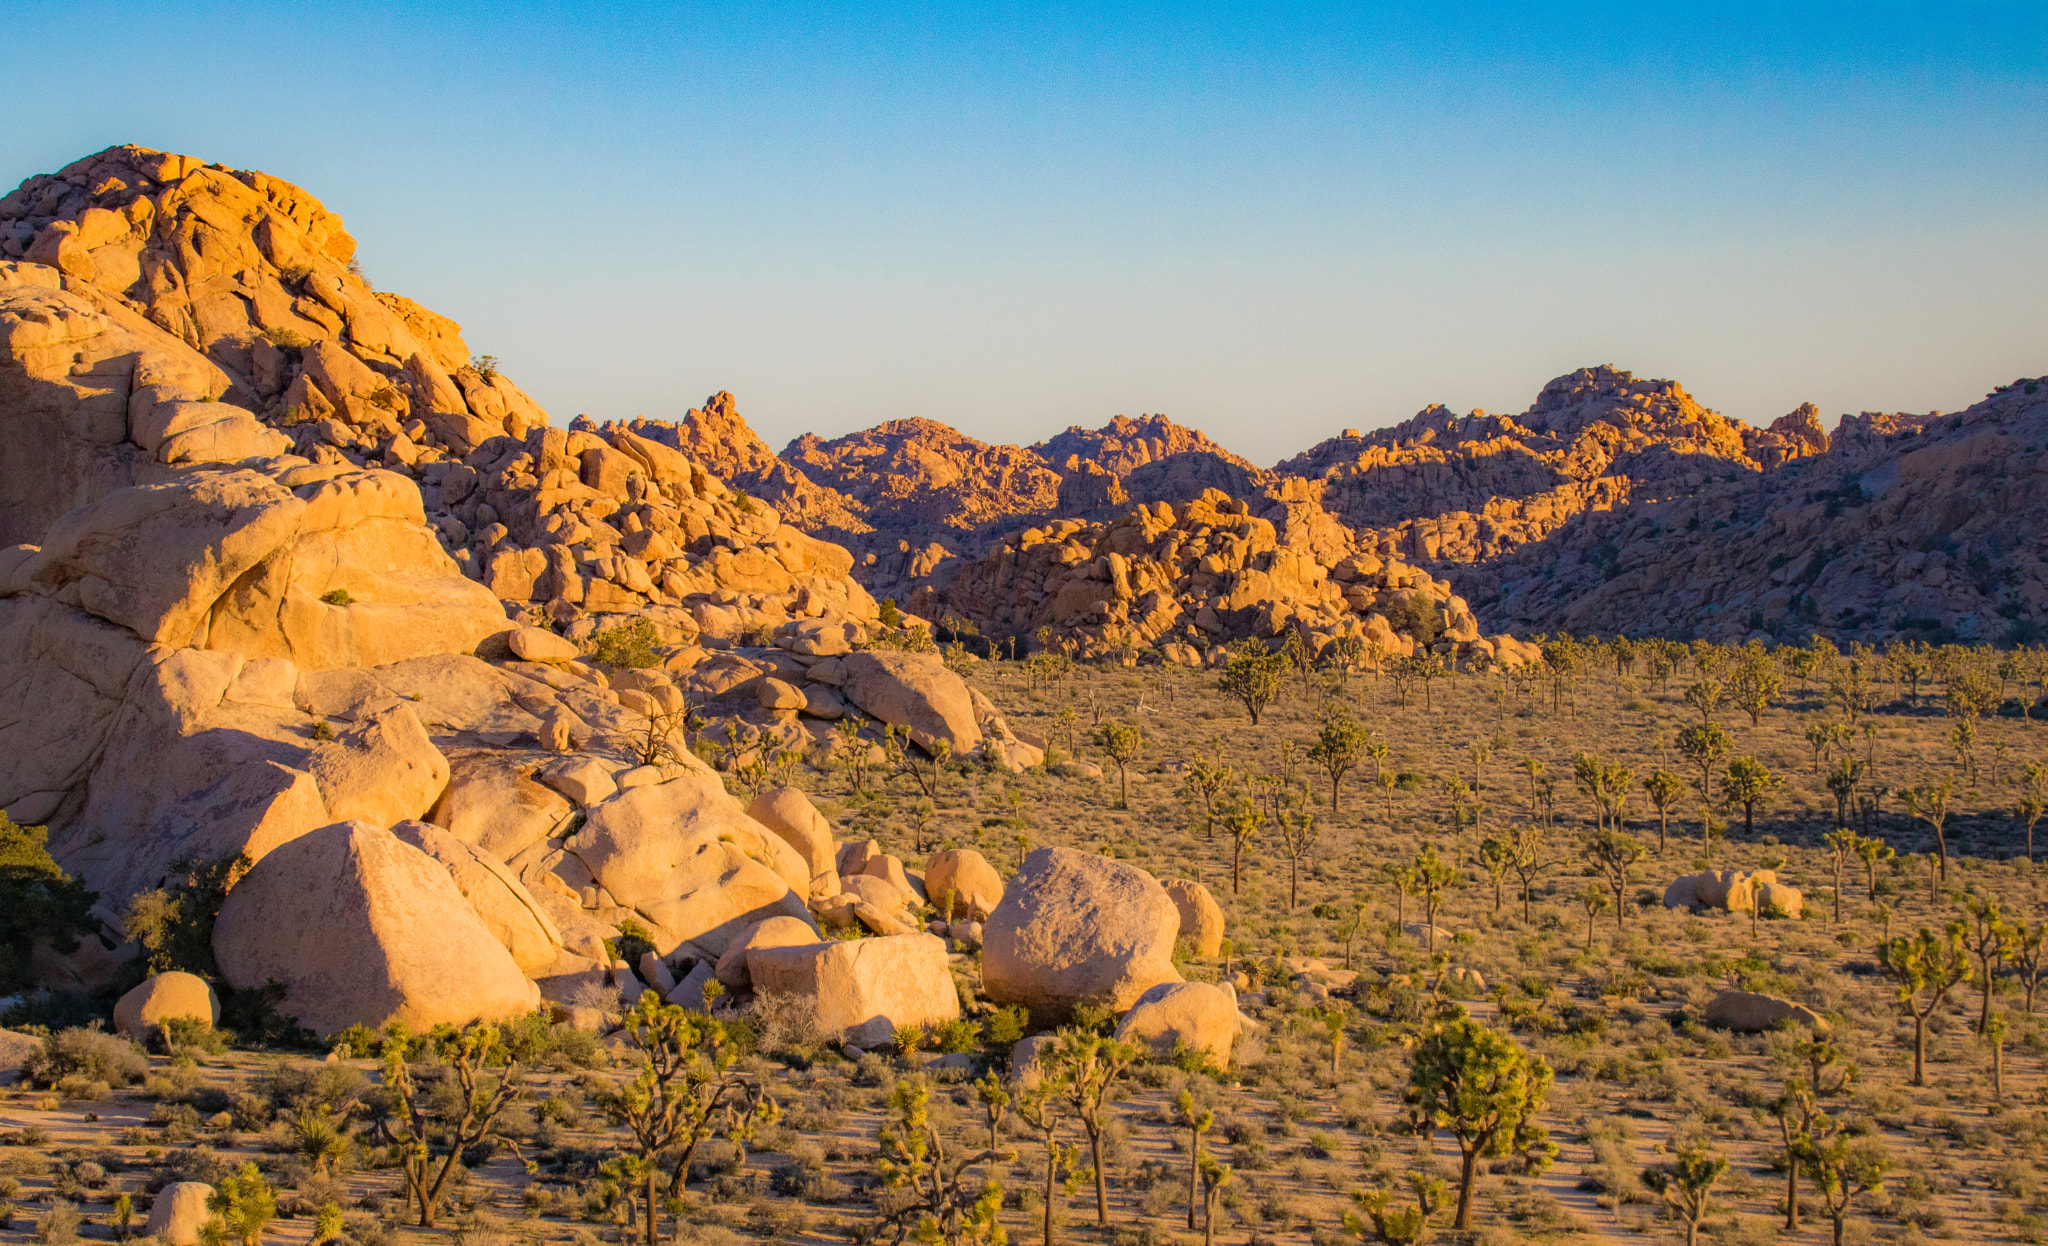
1196, 1120
1123, 744
1749, 785
431, 1128
940, 1206
1396, 1226
1926, 967
1663, 788
1687, 1185
1615, 855
1930, 804
1090, 1066
1339, 747
1704, 744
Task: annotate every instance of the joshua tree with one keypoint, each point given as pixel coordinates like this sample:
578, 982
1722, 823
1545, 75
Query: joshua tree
688, 1089
1123, 744
1872, 850
1215, 1177
1338, 749
1755, 685
1704, 744
1089, 1067
1749, 785
2025, 955
1615, 855
1843, 844
1205, 782
1405, 1226
1528, 863
1042, 1107
1841, 1168
1663, 788
1843, 781
1196, 1121
1704, 696
429, 1130
1989, 939
1481, 1087
1930, 805
1927, 967
1687, 1185
1243, 823
1432, 878
1497, 854
1592, 898
940, 1207
1254, 679
1334, 1015
2035, 801
1298, 835
242, 1206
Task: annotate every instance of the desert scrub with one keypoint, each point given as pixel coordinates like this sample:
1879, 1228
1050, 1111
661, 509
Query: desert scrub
87, 1054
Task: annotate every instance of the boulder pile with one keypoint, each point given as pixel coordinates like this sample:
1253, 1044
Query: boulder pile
1215, 569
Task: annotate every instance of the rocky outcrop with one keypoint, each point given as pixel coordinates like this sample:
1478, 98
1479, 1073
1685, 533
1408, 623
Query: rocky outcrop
1076, 928
361, 928
1445, 488
1205, 572
1906, 526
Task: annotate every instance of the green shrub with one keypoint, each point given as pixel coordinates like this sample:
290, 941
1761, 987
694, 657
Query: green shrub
91, 1054
191, 1034
174, 923
628, 647
537, 1038
956, 1035
338, 597
38, 901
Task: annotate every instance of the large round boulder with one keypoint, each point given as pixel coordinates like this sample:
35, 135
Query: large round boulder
1193, 1015
362, 928
653, 844
863, 989
382, 770
1201, 918
163, 996
1750, 1012
179, 1213
1076, 928
966, 876
915, 691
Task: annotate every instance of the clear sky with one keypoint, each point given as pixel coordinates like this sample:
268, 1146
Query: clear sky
1271, 222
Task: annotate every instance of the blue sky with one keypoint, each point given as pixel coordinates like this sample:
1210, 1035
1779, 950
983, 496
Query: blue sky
1271, 222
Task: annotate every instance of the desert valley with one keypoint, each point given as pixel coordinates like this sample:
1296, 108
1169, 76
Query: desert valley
428, 816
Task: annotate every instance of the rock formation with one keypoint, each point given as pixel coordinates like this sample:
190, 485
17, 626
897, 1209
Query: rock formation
1914, 526
1210, 570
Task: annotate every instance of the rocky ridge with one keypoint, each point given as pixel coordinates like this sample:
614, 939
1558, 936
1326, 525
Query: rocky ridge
1905, 525
1445, 488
